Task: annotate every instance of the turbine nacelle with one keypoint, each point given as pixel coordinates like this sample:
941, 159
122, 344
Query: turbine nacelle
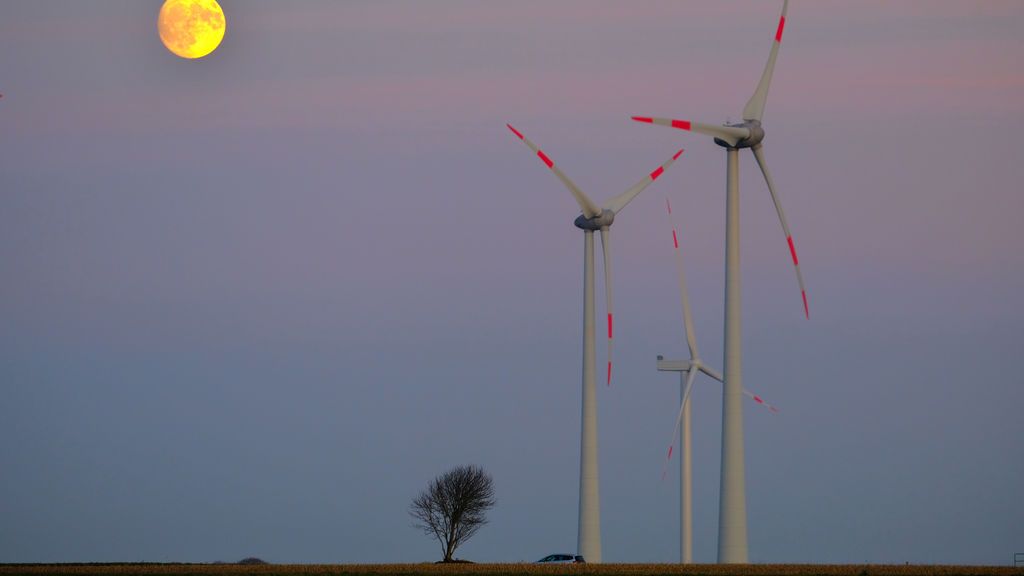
596, 223
753, 127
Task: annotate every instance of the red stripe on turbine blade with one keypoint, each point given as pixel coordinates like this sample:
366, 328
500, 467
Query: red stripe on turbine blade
807, 311
681, 124
670, 452
609, 373
643, 119
758, 399
678, 154
514, 131
778, 33
609, 325
545, 158
792, 250
668, 205
656, 173
675, 240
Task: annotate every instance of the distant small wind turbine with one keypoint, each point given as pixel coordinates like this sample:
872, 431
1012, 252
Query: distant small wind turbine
732, 512
687, 372
593, 218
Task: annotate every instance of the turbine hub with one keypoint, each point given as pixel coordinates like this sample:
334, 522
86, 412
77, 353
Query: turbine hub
602, 220
755, 138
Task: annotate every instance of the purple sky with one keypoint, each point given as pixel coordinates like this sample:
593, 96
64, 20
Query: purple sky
251, 304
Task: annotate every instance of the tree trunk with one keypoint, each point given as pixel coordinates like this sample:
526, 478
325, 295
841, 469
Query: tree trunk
450, 550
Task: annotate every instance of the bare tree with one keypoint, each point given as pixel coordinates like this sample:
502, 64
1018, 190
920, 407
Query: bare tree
454, 506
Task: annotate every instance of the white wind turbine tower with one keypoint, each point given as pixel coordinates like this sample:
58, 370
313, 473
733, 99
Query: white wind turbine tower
687, 372
732, 511
593, 218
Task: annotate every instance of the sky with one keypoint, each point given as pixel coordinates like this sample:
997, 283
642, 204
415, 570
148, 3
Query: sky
251, 304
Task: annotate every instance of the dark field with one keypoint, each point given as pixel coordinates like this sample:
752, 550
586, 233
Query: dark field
512, 569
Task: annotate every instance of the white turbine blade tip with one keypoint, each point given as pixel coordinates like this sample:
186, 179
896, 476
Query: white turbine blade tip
800, 278
759, 156
754, 110
782, 21
586, 205
619, 202
760, 401
606, 251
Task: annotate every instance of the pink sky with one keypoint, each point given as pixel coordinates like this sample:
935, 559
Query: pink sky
286, 263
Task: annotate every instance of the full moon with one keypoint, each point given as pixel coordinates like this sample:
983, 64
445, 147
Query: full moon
191, 28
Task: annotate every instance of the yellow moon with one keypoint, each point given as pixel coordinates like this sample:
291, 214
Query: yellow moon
191, 28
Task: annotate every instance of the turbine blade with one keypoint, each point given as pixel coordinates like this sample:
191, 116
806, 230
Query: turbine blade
730, 134
760, 401
607, 250
712, 373
679, 419
619, 202
684, 297
589, 208
754, 109
759, 154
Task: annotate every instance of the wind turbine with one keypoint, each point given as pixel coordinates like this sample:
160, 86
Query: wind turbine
687, 372
593, 218
732, 511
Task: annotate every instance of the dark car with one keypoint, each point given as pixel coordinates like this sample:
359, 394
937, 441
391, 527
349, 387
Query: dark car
561, 559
